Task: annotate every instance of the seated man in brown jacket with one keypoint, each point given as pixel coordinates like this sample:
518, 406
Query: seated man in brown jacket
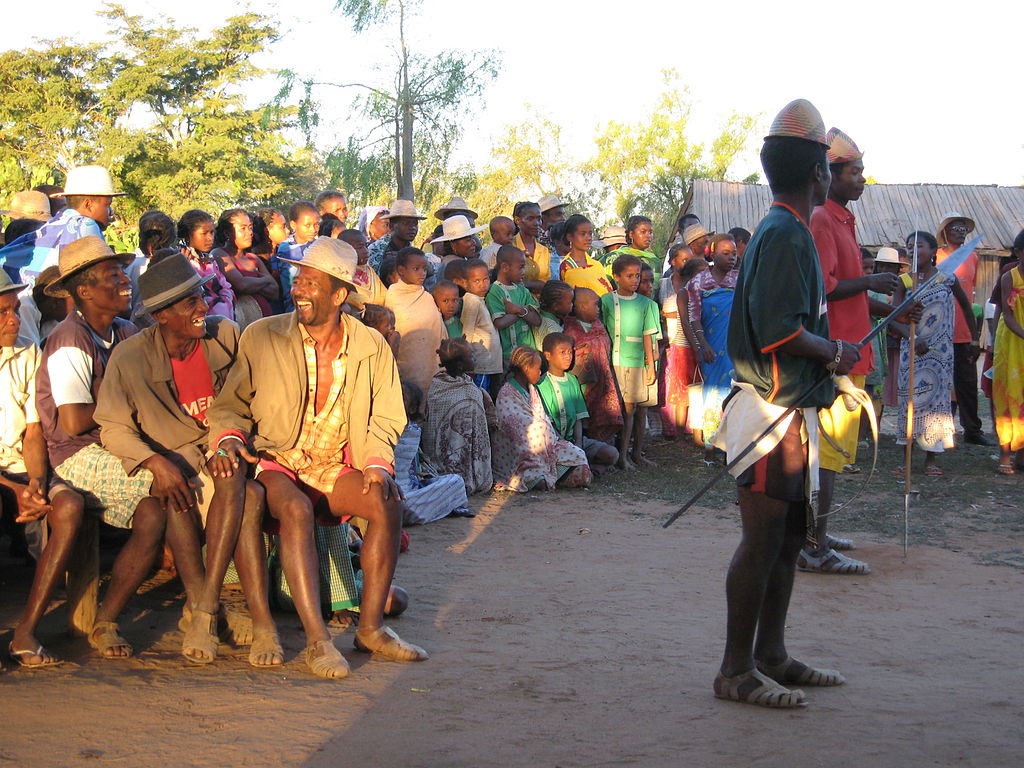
152, 413
314, 399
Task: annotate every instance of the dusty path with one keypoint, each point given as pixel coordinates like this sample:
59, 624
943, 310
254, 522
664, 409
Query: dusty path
565, 630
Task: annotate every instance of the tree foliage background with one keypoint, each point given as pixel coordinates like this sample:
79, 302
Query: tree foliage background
169, 110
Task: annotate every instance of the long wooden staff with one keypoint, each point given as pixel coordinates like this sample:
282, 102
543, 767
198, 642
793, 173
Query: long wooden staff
908, 453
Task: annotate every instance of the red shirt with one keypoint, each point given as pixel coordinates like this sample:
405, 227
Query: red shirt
194, 382
833, 230
967, 274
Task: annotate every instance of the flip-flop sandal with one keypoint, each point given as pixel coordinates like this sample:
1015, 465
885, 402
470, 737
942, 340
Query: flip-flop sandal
754, 688
201, 638
934, 471
899, 472
324, 660
266, 643
384, 642
831, 562
105, 635
793, 672
851, 469
1006, 469
48, 660
840, 545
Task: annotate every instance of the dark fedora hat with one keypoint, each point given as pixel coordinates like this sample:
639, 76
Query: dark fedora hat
169, 280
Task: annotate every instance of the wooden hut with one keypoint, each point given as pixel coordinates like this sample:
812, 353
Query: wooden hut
886, 214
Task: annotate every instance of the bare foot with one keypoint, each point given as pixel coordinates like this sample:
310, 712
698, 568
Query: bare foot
643, 461
625, 464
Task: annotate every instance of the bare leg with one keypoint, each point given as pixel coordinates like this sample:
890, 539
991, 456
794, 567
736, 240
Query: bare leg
65, 520
639, 433
627, 433
223, 522
293, 510
251, 559
183, 537
755, 591
770, 647
133, 564
827, 481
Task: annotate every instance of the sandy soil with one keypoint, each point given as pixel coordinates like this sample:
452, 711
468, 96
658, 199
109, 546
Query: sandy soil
565, 630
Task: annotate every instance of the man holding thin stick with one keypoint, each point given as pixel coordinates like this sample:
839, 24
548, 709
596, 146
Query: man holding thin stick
780, 346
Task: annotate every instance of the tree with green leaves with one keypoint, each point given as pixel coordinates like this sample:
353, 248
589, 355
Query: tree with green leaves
645, 165
162, 106
409, 111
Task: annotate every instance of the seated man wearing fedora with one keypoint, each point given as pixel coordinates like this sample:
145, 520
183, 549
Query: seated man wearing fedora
314, 400
85, 474
89, 192
152, 413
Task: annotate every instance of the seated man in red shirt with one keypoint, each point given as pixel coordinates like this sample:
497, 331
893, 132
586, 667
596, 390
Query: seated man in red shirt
152, 412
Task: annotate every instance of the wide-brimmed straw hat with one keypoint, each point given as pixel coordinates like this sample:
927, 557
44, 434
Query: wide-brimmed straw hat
453, 206
9, 286
456, 228
799, 120
29, 204
613, 236
82, 254
548, 202
89, 180
169, 280
890, 256
948, 219
695, 232
332, 257
403, 209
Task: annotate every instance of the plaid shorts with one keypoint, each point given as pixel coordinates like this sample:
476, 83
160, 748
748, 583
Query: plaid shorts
99, 477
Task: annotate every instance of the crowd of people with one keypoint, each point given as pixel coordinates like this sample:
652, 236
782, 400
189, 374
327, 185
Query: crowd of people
279, 373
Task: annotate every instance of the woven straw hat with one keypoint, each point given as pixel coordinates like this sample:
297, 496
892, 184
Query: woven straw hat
455, 205
82, 254
332, 257
890, 256
613, 236
841, 148
948, 219
548, 202
29, 204
403, 208
695, 232
800, 120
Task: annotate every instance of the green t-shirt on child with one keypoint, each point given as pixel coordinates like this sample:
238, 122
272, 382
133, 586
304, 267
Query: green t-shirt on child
520, 332
454, 327
563, 401
628, 319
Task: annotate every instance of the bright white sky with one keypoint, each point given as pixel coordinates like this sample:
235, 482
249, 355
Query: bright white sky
928, 91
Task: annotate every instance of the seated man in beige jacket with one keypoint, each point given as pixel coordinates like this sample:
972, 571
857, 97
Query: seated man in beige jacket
315, 401
152, 413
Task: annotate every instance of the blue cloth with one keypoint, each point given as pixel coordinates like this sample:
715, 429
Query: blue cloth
483, 380
31, 253
716, 309
289, 249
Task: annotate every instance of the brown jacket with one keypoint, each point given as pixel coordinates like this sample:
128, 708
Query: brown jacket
264, 397
137, 408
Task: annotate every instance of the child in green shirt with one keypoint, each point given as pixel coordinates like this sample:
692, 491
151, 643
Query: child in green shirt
563, 401
634, 324
513, 308
446, 296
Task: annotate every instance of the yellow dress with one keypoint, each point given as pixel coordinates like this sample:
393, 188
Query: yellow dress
538, 267
1008, 372
588, 275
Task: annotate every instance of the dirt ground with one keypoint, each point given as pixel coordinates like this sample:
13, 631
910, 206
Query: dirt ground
565, 629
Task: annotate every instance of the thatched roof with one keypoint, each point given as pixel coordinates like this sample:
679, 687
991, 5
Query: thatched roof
886, 213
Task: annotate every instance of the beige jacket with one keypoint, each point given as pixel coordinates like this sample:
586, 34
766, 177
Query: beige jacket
137, 408
264, 397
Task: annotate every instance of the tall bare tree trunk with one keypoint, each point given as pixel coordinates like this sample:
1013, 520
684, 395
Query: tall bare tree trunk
404, 109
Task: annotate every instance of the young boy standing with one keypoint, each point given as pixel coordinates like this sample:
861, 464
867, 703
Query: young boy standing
416, 318
634, 324
513, 308
564, 403
477, 326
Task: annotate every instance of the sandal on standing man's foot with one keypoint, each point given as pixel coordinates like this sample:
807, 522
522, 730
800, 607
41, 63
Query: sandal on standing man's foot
752, 687
831, 562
